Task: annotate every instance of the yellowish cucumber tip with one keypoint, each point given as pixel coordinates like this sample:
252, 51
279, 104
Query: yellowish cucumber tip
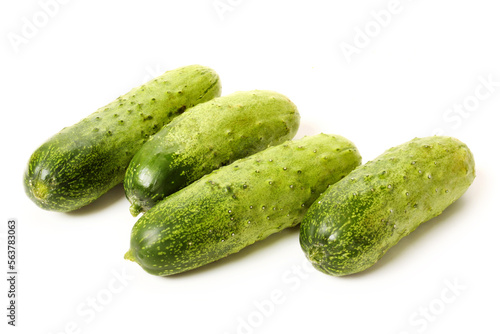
316, 255
39, 190
129, 256
135, 209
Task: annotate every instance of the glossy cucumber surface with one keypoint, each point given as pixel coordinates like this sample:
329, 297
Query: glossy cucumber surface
239, 204
82, 162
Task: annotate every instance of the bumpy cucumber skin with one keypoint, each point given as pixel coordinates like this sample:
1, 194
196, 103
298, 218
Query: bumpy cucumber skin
84, 161
204, 138
239, 204
359, 218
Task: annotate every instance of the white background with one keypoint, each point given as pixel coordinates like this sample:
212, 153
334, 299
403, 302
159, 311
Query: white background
401, 84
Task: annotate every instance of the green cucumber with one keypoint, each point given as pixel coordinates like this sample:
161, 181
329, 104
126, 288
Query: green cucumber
204, 138
239, 204
359, 218
83, 161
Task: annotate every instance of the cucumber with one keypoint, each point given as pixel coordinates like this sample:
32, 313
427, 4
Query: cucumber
204, 138
239, 204
83, 161
359, 218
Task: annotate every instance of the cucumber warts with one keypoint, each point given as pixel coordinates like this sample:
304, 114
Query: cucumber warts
358, 219
204, 138
239, 204
83, 161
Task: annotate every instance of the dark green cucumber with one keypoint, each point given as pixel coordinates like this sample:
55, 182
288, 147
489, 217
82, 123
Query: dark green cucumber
204, 138
239, 204
359, 218
83, 161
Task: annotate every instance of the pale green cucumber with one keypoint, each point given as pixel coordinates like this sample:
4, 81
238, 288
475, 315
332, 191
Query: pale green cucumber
204, 138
